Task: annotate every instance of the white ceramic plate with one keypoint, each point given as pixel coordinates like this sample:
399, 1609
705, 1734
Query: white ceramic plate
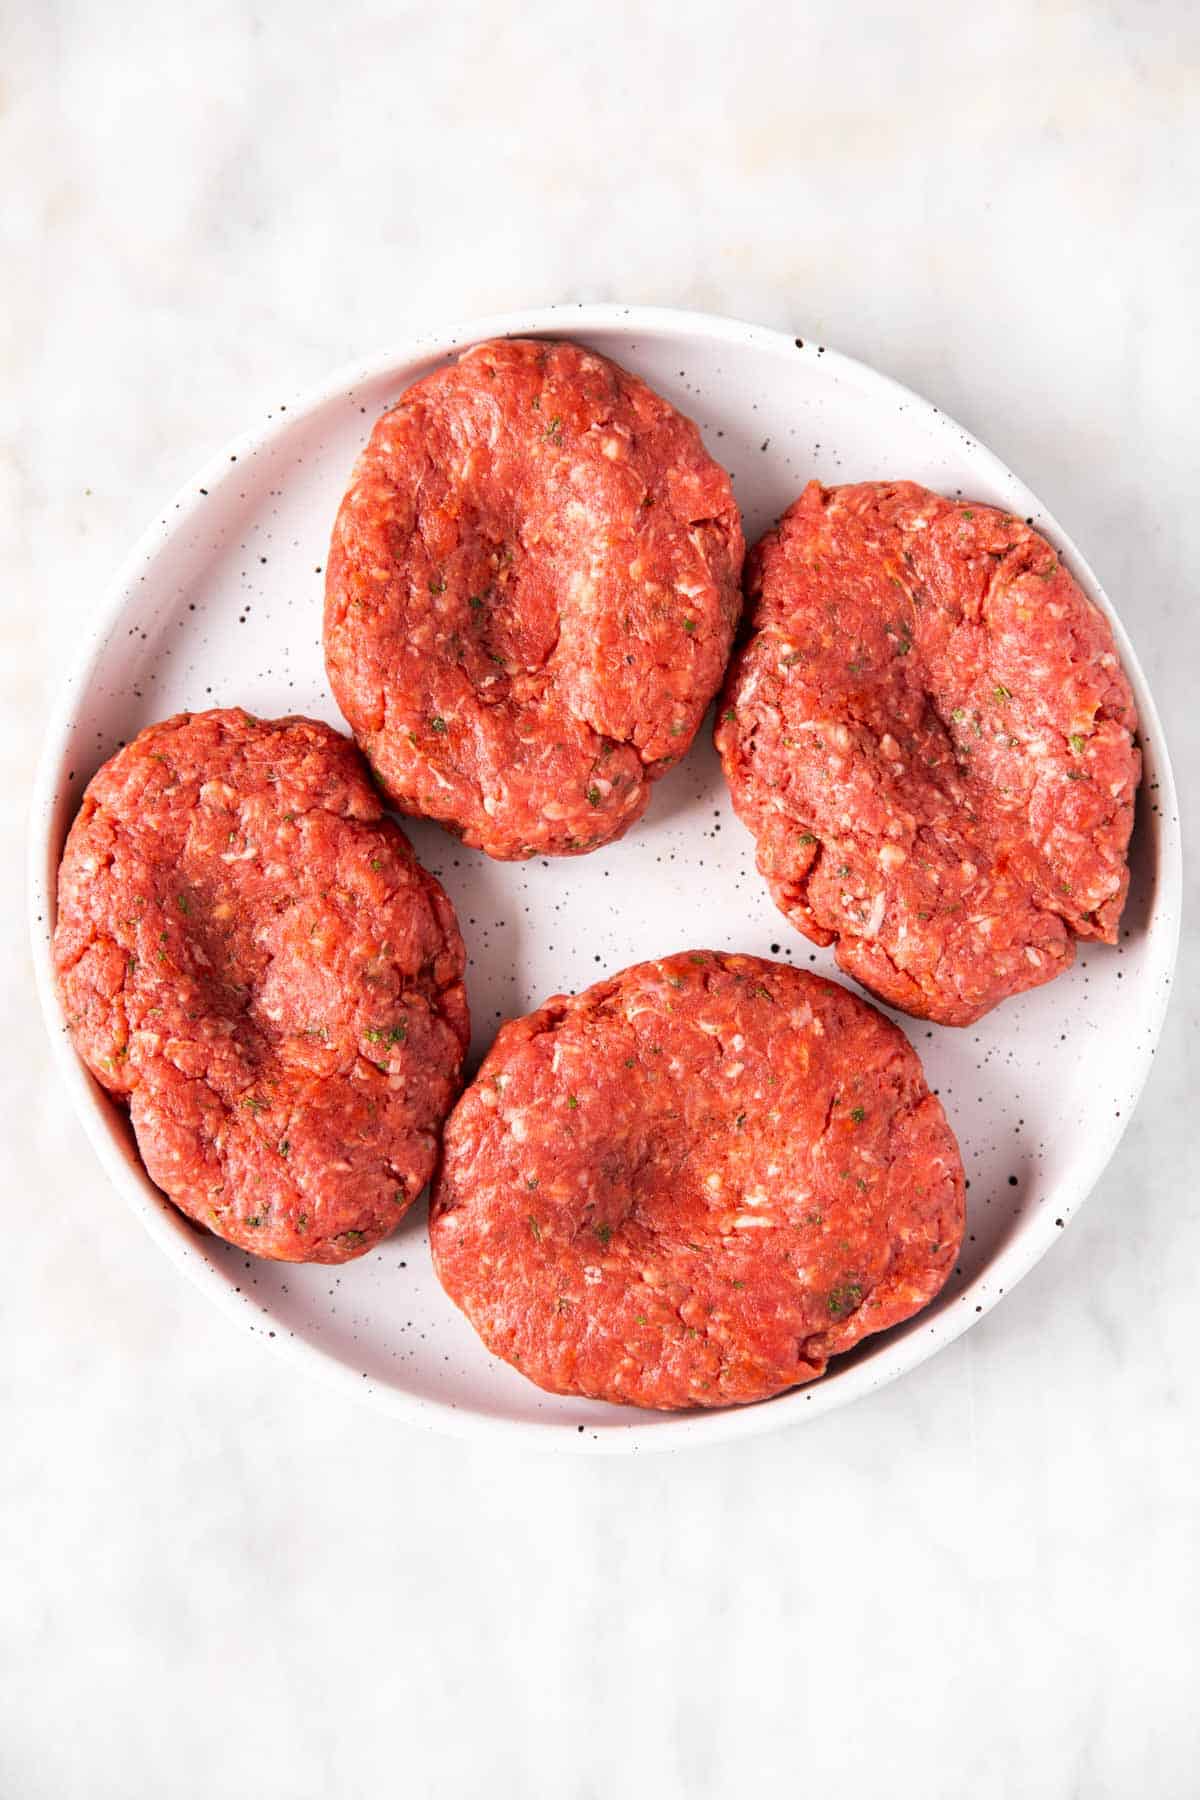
220, 604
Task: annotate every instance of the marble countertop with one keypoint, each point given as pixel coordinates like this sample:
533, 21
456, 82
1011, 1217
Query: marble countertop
219, 1582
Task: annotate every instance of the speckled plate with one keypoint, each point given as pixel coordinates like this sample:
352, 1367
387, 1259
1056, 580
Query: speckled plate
220, 605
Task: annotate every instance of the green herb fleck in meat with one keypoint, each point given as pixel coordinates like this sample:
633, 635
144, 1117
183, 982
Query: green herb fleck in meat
844, 1299
437, 724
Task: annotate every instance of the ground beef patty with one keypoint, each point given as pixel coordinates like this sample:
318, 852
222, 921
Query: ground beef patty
930, 735
531, 595
694, 1184
250, 955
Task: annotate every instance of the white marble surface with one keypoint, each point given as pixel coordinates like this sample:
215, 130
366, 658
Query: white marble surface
985, 1580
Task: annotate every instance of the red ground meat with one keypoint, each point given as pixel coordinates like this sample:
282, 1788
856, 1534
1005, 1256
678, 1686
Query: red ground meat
252, 958
694, 1184
530, 597
930, 735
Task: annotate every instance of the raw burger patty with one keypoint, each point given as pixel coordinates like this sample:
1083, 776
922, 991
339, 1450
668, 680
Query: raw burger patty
930, 735
251, 957
694, 1184
530, 596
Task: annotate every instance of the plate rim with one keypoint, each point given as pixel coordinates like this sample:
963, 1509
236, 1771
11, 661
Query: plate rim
653, 1432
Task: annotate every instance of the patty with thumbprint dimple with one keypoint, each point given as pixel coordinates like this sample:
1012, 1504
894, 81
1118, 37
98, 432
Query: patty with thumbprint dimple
930, 735
252, 959
694, 1183
531, 594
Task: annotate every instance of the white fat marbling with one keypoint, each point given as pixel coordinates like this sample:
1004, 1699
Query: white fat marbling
982, 1581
